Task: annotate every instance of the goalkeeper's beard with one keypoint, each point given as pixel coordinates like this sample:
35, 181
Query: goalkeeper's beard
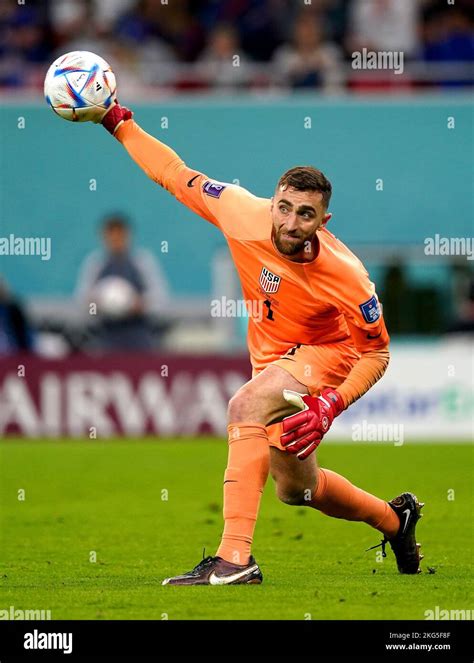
290, 248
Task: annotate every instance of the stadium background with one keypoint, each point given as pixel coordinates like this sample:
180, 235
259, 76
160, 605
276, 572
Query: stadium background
399, 169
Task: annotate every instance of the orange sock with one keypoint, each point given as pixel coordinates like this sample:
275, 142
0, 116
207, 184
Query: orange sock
245, 477
337, 497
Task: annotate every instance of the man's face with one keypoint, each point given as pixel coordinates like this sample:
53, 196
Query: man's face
296, 215
116, 239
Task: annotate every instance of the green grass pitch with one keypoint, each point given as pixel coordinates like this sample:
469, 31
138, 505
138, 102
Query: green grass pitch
148, 509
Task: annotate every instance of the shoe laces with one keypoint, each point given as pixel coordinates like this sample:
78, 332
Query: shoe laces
204, 562
382, 545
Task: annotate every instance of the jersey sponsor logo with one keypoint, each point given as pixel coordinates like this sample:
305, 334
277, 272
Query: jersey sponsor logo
371, 310
269, 282
213, 189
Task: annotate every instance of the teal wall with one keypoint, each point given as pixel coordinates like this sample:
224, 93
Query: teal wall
46, 168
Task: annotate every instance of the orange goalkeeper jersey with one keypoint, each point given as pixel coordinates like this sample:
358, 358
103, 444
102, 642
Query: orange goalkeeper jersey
324, 301
327, 300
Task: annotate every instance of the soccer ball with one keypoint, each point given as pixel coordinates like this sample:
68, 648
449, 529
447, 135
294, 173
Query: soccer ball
115, 297
80, 86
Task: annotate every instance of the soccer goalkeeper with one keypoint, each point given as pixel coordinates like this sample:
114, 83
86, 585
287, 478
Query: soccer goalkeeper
320, 346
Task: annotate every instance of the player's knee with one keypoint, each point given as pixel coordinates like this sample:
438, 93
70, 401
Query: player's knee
243, 407
236, 408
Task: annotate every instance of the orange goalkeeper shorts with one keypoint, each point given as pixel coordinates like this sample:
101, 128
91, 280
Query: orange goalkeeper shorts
317, 367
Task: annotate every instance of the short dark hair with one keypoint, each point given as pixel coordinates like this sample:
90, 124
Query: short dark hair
113, 221
307, 178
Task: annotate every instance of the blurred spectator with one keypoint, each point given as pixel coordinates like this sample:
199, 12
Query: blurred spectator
71, 19
335, 14
462, 296
260, 23
151, 32
309, 61
223, 64
24, 44
80, 25
395, 294
449, 38
15, 332
384, 25
75, 28
464, 320
173, 24
107, 11
409, 308
126, 286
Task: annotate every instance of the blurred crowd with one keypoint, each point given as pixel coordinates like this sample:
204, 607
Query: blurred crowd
232, 44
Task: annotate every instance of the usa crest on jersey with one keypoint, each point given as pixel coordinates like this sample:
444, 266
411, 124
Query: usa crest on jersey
269, 282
